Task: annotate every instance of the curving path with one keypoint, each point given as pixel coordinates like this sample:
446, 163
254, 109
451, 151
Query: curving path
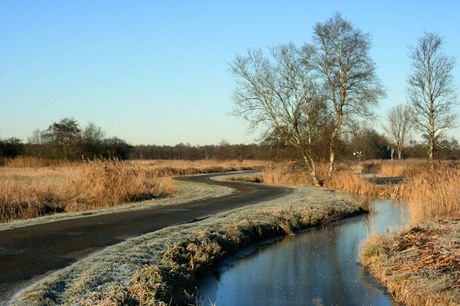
29, 253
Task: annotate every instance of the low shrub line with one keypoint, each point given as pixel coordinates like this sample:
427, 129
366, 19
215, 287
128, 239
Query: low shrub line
163, 267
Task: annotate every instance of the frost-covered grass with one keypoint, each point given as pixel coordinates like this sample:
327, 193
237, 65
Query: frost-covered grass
163, 267
420, 265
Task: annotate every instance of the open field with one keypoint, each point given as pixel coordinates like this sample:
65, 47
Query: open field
162, 267
32, 188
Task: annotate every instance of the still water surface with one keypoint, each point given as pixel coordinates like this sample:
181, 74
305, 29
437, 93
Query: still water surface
316, 267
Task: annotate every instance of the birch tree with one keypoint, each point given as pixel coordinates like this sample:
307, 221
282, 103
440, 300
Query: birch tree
398, 126
348, 74
276, 91
431, 90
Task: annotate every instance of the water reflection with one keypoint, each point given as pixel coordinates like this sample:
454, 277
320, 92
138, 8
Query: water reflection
318, 267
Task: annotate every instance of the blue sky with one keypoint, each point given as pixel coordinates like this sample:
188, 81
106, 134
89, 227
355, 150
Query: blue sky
156, 72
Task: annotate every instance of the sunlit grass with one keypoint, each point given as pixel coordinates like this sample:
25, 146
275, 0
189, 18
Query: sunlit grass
421, 264
32, 192
435, 195
33, 187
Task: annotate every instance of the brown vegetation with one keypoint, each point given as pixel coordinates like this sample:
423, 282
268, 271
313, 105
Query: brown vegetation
434, 195
421, 265
31, 187
32, 192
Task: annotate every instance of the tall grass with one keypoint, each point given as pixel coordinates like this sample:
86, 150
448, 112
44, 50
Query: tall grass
28, 193
188, 167
33, 162
32, 187
351, 183
285, 174
345, 178
434, 195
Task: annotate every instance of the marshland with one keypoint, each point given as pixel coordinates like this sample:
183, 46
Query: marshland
336, 121
153, 268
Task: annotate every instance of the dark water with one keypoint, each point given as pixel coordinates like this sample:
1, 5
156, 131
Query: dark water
317, 267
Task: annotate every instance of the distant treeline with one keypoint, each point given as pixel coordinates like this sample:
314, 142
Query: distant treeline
223, 151
66, 140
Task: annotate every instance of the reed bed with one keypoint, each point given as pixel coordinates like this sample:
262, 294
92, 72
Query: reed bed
346, 178
164, 168
34, 162
31, 187
285, 174
32, 192
398, 168
353, 184
435, 195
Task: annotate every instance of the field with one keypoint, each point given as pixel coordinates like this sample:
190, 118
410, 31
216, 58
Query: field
31, 187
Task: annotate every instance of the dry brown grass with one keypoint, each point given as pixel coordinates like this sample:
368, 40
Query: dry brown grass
434, 195
188, 167
32, 192
32, 187
285, 174
431, 194
397, 168
351, 183
34, 162
346, 179
420, 265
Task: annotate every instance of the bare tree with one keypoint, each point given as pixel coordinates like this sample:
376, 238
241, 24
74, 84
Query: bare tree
348, 74
431, 91
277, 92
398, 126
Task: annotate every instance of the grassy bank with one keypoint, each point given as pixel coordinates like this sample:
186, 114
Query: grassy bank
421, 264
162, 268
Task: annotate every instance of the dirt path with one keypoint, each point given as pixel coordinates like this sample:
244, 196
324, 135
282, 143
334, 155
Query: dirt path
29, 253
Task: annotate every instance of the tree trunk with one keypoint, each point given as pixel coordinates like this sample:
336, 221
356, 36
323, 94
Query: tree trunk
310, 164
331, 159
332, 140
431, 152
399, 152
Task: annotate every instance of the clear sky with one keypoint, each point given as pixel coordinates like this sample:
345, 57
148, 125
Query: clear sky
157, 72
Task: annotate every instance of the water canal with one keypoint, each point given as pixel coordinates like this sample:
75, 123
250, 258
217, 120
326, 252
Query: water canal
316, 267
